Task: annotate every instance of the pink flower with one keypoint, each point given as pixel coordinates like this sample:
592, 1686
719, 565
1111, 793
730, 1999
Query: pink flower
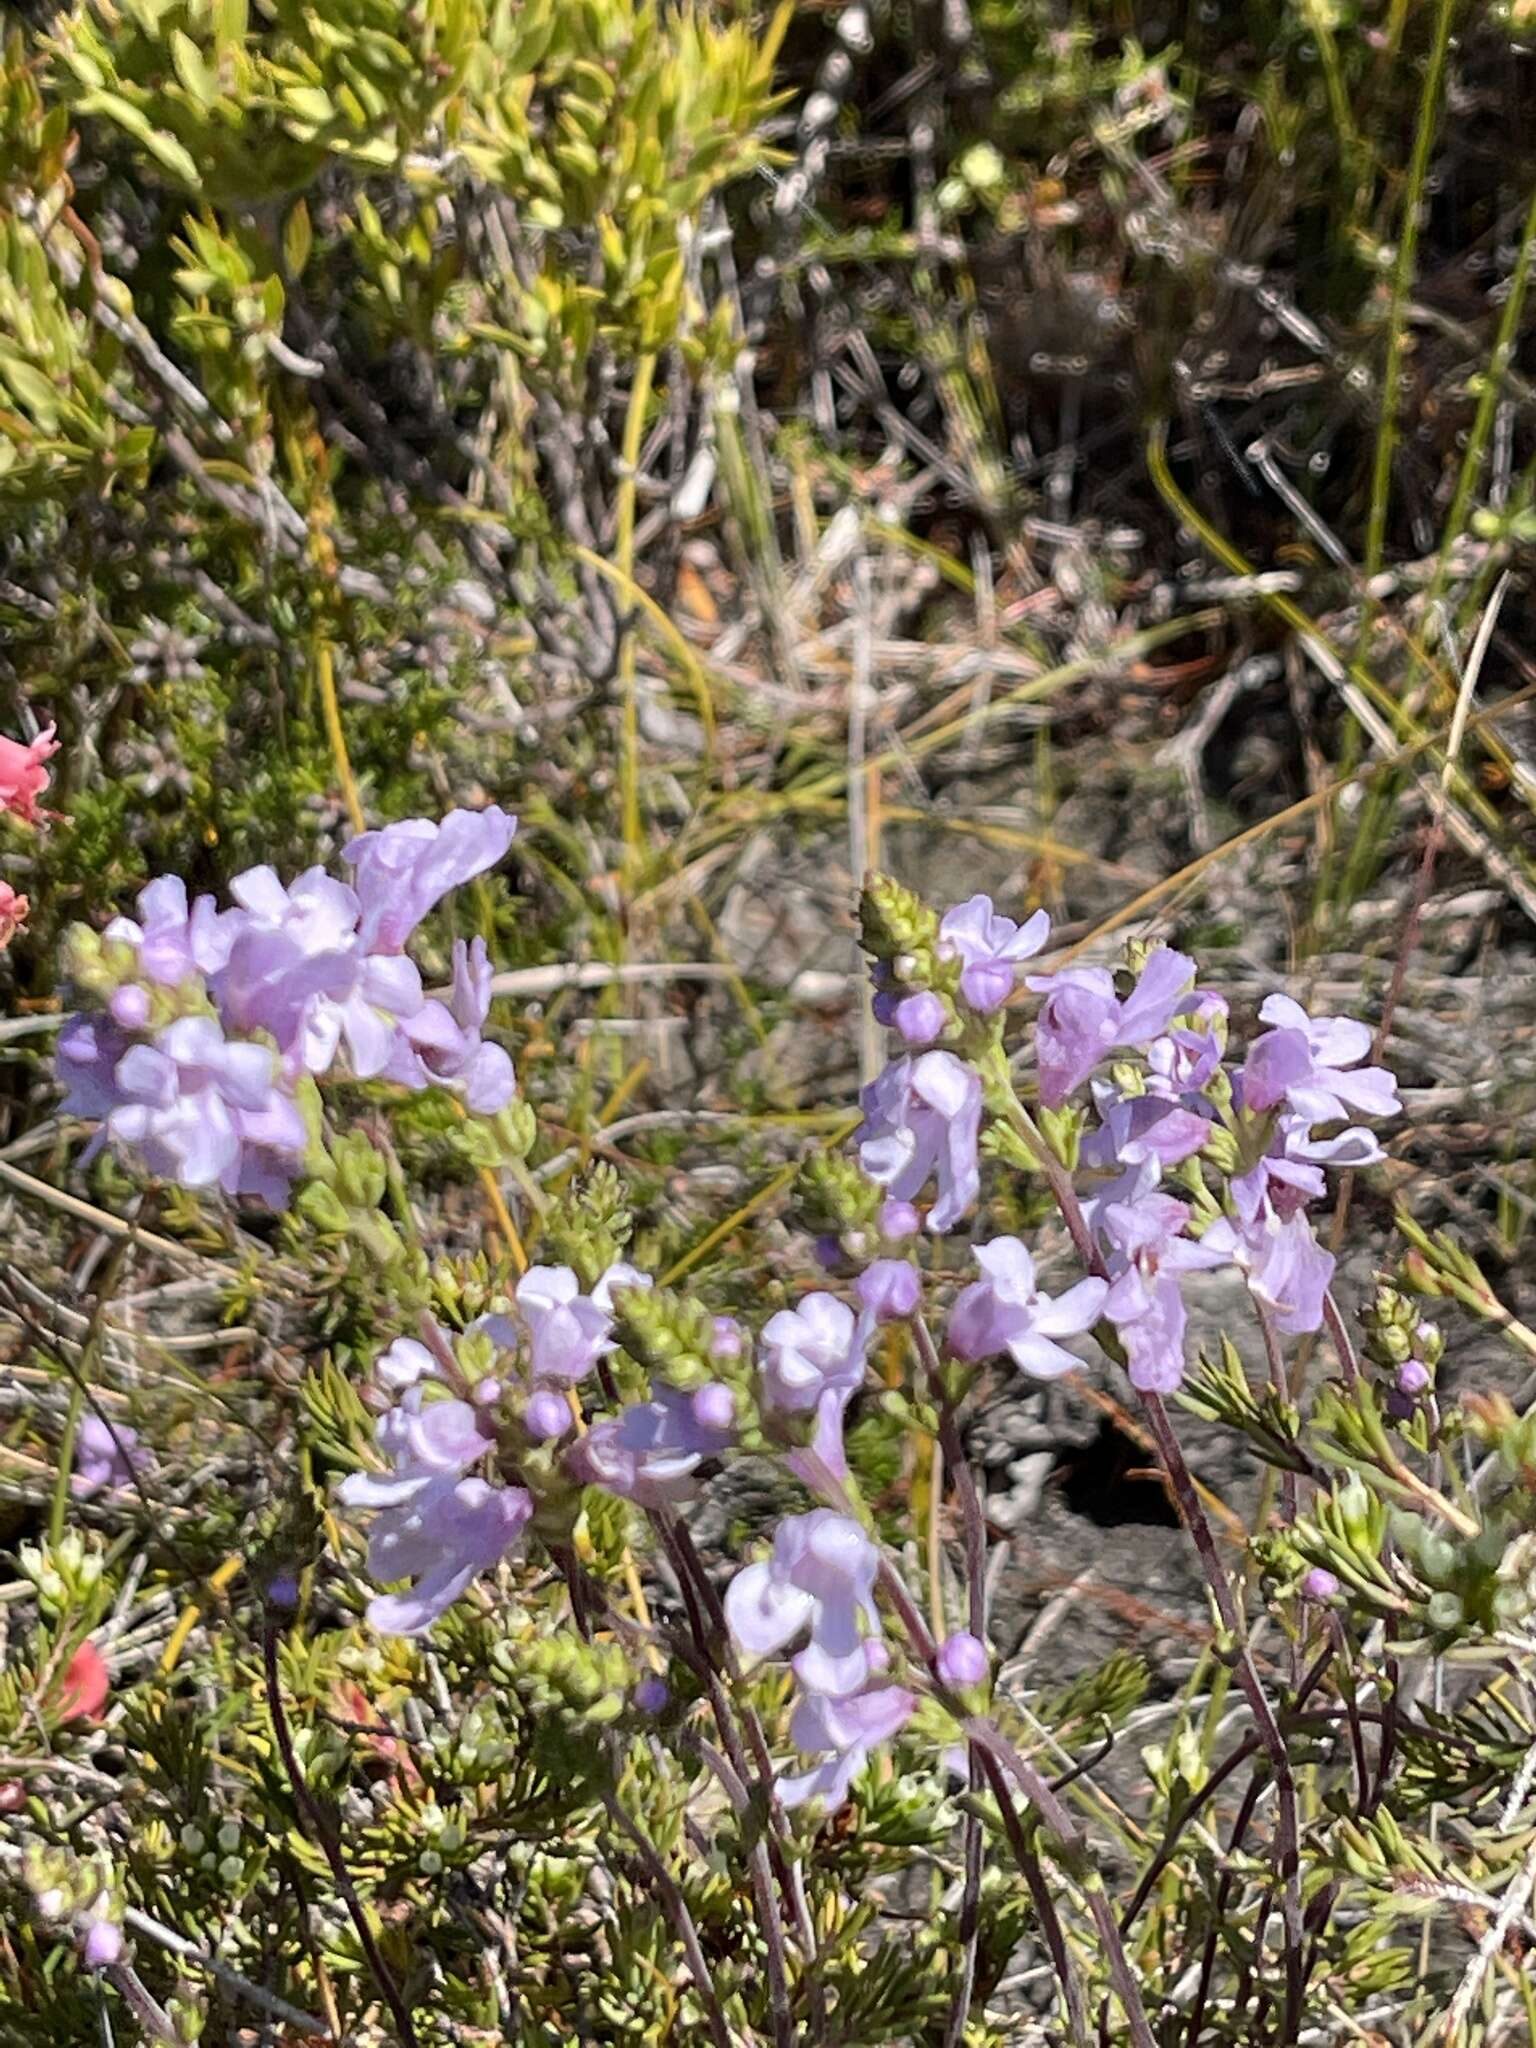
83, 1694
23, 778
13, 914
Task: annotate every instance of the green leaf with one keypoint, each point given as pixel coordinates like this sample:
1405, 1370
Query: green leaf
165, 149
192, 69
33, 389
298, 239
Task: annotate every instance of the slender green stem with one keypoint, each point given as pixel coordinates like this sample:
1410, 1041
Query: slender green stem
1491, 386
58, 1513
1402, 286
629, 753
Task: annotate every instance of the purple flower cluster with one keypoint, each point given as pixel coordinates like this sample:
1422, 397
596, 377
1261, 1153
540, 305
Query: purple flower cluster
212, 1017
434, 1524
1171, 1161
441, 1526
1166, 1099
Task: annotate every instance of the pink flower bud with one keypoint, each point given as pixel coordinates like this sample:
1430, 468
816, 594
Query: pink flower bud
1320, 1583
900, 1219
487, 1393
962, 1660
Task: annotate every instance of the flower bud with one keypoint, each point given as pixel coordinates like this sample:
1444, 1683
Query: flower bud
130, 1006
920, 1018
651, 1694
900, 1219
714, 1406
1320, 1584
103, 1945
727, 1340
547, 1415
890, 1289
962, 1660
1414, 1378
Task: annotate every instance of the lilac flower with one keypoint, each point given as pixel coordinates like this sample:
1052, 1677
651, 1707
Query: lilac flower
86, 1060
439, 1045
567, 1331
433, 1525
651, 1451
1147, 1248
195, 1107
297, 970
1312, 1063
426, 1440
1138, 1128
406, 1363
812, 1361
443, 1537
849, 1728
992, 947
619, 1274
923, 1116
714, 1405
106, 1457
1007, 1312
1284, 1265
401, 872
1082, 1020
173, 941
1290, 1174
820, 1577
890, 1289
1413, 1378
129, 1006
